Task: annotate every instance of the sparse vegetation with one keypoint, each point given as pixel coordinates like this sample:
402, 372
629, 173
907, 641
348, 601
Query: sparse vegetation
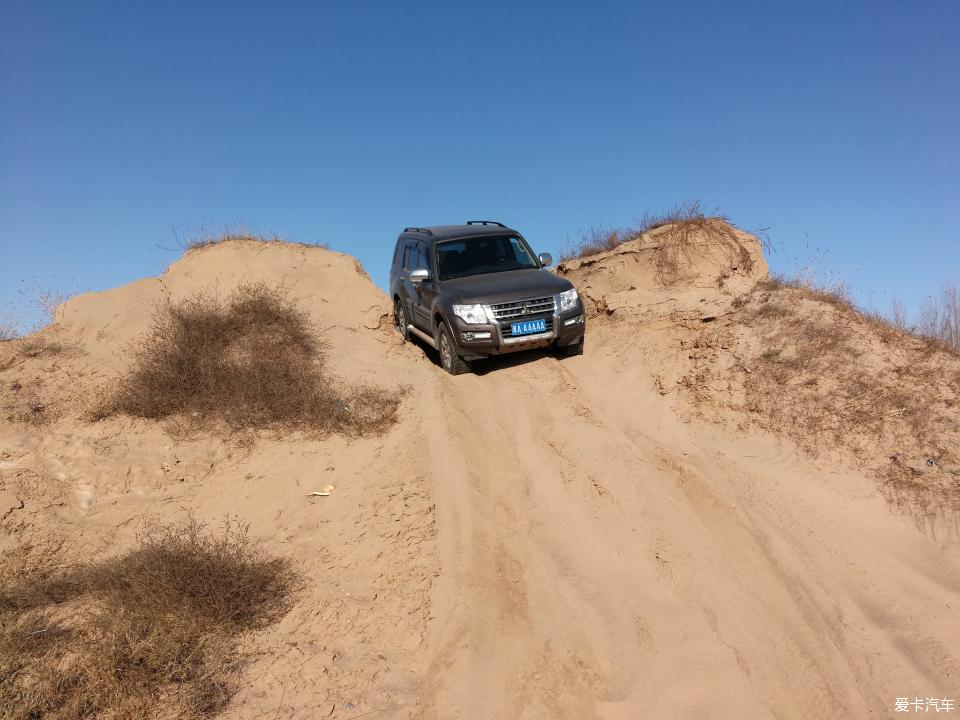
687, 233
22, 395
150, 632
829, 375
47, 301
940, 317
8, 327
938, 325
205, 239
26, 405
836, 294
34, 346
249, 362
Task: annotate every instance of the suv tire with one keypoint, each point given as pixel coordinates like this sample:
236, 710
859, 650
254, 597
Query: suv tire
400, 319
573, 350
449, 359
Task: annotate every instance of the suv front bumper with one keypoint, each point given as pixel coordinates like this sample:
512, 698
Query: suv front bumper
485, 339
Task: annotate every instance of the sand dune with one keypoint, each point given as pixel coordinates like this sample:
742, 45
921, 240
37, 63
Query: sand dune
605, 536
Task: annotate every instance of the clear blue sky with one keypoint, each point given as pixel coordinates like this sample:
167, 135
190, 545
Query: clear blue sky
837, 124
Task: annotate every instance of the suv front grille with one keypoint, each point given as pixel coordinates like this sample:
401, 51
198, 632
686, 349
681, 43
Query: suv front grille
523, 308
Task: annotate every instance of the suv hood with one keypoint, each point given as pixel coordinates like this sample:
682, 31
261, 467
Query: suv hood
505, 286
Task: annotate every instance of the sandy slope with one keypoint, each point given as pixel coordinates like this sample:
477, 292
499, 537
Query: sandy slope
544, 539
611, 561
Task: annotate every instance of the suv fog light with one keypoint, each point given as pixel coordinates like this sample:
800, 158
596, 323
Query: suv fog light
476, 335
573, 321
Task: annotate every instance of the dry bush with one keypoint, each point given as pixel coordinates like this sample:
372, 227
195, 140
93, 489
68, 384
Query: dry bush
35, 346
684, 243
688, 235
835, 294
20, 348
898, 316
154, 631
9, 327
938, 322
26, 406
940, 317
48, 301
45, 299
250, 362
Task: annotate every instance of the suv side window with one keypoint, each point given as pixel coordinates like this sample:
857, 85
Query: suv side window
416, 257
520, 254
398, 253
423, 258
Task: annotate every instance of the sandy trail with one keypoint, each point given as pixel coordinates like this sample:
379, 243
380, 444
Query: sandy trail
601, 558
543, 539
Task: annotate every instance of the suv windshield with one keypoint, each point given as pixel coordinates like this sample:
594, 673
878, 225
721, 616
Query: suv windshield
484, 254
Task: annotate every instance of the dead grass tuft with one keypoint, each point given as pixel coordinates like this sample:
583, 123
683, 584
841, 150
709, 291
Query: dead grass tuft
250, 362
909, 487
48, 301
35, 346
938, 320
206, 239
26, 407
153, 631
838, 295
9, 327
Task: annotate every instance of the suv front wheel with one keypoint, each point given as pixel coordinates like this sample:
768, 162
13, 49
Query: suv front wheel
400, 319
451, 362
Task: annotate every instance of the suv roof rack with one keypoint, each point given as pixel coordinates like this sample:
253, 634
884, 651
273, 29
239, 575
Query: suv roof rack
425, 231
485, 222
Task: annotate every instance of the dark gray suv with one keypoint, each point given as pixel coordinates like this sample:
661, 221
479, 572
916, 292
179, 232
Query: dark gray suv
476, 290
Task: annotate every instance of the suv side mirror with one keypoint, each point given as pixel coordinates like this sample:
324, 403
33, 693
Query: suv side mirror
419, 275
546, 259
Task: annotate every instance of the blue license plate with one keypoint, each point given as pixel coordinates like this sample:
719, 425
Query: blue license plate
528, 327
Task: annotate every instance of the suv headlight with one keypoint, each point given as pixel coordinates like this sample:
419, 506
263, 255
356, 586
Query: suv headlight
568, 300
472, 314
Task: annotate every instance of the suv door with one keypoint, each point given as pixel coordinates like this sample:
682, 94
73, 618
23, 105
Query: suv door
405, 288
425, 291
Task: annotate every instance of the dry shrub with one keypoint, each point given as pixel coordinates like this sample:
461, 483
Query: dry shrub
940, 317
26, 406
15, 350
152, 632
837, 294
908, 487
35, 346
686, 234
45, 299
9, 326
250, 362
48, 301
